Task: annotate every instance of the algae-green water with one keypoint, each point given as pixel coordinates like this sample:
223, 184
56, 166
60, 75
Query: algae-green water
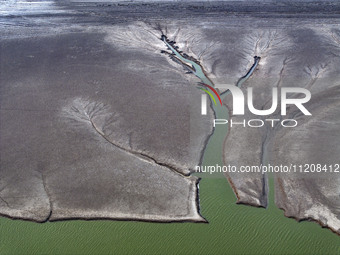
232, 229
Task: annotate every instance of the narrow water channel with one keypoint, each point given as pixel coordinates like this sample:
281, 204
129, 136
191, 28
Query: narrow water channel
213, 153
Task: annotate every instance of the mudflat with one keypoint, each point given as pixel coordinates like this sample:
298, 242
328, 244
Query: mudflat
97, 122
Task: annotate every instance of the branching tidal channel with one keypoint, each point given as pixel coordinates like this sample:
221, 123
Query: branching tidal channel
193, 66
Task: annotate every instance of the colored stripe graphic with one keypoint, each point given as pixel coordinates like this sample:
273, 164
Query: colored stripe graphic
209, 94
213, 90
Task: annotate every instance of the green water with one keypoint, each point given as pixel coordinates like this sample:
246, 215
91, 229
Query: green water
232, 229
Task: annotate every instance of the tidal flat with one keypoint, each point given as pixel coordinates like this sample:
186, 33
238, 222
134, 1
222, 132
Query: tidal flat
98, 122
232, 229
